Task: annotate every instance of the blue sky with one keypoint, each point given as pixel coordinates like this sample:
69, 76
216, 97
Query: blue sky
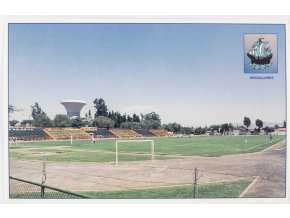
188, 73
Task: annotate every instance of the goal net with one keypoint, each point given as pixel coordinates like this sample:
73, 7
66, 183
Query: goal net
134, 142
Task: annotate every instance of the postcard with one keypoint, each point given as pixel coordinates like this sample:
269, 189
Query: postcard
183, 110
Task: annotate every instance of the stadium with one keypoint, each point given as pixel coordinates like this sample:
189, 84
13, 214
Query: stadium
98, 162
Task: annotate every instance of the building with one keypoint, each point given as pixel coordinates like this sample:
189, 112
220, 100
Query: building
281, 131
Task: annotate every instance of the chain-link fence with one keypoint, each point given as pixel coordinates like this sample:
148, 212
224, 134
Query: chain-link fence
23, 189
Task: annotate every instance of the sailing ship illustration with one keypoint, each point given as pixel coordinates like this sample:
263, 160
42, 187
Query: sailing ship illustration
260, 54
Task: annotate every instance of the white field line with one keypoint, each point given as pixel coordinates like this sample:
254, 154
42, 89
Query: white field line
253, 153
64, 149
284, 140
261, 144
247, 189
278, 149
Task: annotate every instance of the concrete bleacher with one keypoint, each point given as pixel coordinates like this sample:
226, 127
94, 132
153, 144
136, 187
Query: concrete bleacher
145, 132
125, 133
101, 133
31, 134
159, 132
89, 128
66, 133
28, 134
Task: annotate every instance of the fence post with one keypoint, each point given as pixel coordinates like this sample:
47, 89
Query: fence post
195, 182
43, 177
42, 191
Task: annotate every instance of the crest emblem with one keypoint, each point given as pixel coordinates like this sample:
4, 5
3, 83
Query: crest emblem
260, 53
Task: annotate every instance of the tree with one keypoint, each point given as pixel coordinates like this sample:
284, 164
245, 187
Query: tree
247, 122
129, 119
186, 130
117, 118
61, 120
152, 120
42, 120
199, 131
168, 127
173, 127
268, 129
152, 116
85, 122
224, 128
215, 128
13, 122
176, 127
128, 125
124, 118
259, 124
88, 118
276, 126
12, 109
25, 122
101, 107
231, 127
103, 122
36, 110
77, 122
151, 124
136, 118
284, 124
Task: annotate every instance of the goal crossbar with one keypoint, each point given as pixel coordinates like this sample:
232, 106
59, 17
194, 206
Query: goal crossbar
138, 141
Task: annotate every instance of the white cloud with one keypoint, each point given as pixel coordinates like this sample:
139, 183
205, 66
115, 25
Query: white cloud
138, 109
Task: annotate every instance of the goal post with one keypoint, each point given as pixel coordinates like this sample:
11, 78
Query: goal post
134, 141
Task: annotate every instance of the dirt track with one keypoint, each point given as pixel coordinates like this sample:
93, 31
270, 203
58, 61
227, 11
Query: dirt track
268, 165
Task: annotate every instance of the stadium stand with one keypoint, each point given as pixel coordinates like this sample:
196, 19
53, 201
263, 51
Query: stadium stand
89, 129
159, 132
125, 133
101, 133
144, 132
28, 134
65, 133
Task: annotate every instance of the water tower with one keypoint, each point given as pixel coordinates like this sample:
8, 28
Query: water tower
73, 107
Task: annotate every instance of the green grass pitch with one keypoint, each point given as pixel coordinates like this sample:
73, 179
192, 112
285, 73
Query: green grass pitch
165, 148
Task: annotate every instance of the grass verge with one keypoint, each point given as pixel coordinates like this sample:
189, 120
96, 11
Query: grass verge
229, 189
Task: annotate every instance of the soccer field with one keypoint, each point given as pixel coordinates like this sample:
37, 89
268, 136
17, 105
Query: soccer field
165, 148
